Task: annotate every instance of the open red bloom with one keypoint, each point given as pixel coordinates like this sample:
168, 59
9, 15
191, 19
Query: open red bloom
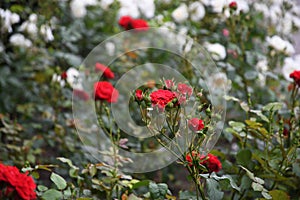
296, 76
125, 22
104, 90
129, 23
139, 24
211, 162
139, 95
195, 124
161, 98
107, 73
191, 157
23, 184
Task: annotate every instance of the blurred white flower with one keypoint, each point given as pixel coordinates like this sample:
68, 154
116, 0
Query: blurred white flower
46, 32
263, 8
290, 65
181, 13
105, 3
262, 65
73, 78
30, 26
18, 39
78, 7
8, 19
110, 48
216, 50
219, 81
128, 8
147, 7
280, 45
197, 11
57, 78
217, 5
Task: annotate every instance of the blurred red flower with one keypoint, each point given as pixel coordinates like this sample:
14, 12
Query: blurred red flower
107, 73
296, 76
104, 90
195, 124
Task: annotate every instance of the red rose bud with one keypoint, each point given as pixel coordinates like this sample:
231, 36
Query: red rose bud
285, 132
211, 162
233, 5
139, 95
189, 158
296, 76
125, 22
225, 32
169, 84
104, 90
64, 75
107, 73
195, 124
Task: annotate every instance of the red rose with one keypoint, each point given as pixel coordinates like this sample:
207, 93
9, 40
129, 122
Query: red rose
139, 24
169, 84
16, 181
125, 22
128, 23
211, 162
81, 94
107, 73
184, 89
161, 98
233, 5
195, 124
139, 95
104, 90
64, 75
296, 76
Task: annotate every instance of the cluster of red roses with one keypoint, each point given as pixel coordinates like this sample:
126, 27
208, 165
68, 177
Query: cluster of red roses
16, 185
129, 23
210, 161
296, 76
171, 96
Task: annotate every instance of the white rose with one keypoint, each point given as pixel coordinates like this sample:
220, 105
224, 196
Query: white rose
181, 13
197, 11
219, 81
47, 32
19, 40
73, 78
217, 5
280, 45
262, 65
78, 8
217, 51
106, 3
147, 7
8, 19
290, 65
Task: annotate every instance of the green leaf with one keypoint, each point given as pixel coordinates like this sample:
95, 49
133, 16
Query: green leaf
226, 177
58, 181
187, 195
158, 191
52, 194
259, 113
273, 106
140, 184
279, 195
228, 98
257, 187
266, 194
296, 169
238, 126
213, 189
133, 197
244, 157
66, 160
42, 188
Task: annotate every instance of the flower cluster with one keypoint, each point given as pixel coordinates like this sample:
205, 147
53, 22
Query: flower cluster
170, 95
210, 161
16, 184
